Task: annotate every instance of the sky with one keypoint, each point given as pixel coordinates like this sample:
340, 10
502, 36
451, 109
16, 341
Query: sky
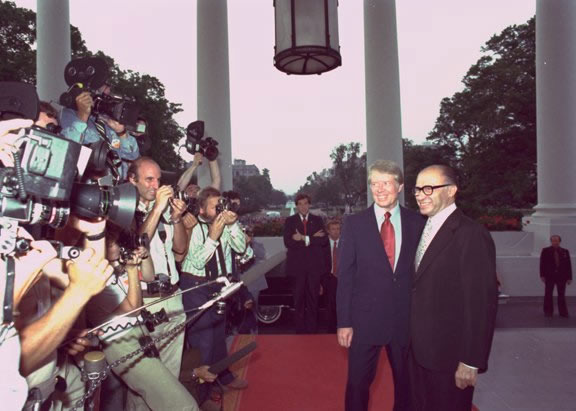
290, 124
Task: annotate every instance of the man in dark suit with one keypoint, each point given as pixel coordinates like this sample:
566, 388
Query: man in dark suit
555, 271
454, 298
375, 269
330, 282
304, 237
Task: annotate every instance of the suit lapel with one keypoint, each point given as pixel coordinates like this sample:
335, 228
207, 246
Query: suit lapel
442, 238
405, 230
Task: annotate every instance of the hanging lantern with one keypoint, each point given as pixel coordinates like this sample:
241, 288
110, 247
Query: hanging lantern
306, 36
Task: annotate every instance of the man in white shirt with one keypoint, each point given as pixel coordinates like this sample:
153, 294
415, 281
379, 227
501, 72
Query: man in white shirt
210, 256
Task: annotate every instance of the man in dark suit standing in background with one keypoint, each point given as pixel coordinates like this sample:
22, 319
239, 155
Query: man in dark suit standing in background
454, 298
330, 283
555, 271
304, 237
375, 270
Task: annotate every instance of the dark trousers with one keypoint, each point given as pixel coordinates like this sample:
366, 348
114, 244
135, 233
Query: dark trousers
306, 296
436, 390
330, 287
548, 297
208, 332
362, 365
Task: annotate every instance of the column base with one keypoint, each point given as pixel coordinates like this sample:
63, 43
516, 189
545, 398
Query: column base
543, 226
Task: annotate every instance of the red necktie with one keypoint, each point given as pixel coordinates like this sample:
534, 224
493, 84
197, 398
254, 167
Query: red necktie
304, 224
387, 234
335, 258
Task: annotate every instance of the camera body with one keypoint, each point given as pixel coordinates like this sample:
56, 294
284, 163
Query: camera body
225, 204
129, 242
160, 285
192, 205
197, 143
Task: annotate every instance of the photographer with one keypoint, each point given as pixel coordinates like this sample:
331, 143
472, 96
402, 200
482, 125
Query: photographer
209, 256
162, 222
80, 126
44, 325
192, 189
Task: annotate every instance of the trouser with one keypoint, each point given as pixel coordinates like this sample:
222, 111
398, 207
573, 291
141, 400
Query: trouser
436, 390
306, 296
208, 332
548, 296
331, 285
153, 381
362, 366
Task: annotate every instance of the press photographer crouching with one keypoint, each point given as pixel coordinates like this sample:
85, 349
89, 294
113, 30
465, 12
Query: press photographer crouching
210, 256
161, 220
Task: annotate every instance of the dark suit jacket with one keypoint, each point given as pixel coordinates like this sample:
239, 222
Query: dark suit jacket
548, 267
372, 299
455, 297
300, 258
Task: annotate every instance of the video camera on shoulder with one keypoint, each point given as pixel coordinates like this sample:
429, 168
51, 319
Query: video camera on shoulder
43, 185
197, 143
90, 74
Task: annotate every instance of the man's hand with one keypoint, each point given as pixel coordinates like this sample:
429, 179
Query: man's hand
84, 105
80, 344
163, 196
198, 157
229, 217
116, 126
297, 236
249, 304
88, 273
345, 336
217, 227
189, 221
137, 256
178, 208
319, 233
321, 290
7, 138
28, 267
203, 373
465, 376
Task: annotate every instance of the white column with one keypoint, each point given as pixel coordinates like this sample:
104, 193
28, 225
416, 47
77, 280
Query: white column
53, 47
383, 115
214, 84
556, 123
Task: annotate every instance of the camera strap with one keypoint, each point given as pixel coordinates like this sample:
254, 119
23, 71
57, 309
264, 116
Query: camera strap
163, 236
8, 303
211, 267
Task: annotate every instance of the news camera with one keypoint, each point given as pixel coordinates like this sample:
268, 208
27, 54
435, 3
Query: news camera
192, 205
129, 242
197, 143
90, 74
226, 204
42, 187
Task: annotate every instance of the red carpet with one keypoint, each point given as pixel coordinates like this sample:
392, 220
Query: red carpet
300, 373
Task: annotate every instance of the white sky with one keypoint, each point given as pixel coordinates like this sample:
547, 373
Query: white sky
290, 124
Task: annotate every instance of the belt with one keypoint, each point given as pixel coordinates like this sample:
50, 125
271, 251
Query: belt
198, 278
173, 289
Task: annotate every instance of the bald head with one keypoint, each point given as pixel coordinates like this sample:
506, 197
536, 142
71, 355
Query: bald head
441, 181
145, 174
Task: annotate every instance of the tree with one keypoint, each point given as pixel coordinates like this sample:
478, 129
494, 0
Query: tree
488, 130
18, 63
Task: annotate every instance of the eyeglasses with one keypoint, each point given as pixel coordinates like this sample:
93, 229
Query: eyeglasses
427, 190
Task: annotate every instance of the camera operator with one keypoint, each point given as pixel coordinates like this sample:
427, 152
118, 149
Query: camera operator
163, 224
80, 126
209, 256
44, 325
192, 189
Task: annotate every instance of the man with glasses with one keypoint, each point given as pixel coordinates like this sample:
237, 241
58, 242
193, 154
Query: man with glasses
454, 298
375, 270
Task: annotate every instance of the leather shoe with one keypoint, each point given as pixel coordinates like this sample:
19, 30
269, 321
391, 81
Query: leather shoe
237, 384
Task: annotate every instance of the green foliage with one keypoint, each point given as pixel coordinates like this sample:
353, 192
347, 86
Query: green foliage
18, 63
257, 192
273, 227
344, 183
488, 130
